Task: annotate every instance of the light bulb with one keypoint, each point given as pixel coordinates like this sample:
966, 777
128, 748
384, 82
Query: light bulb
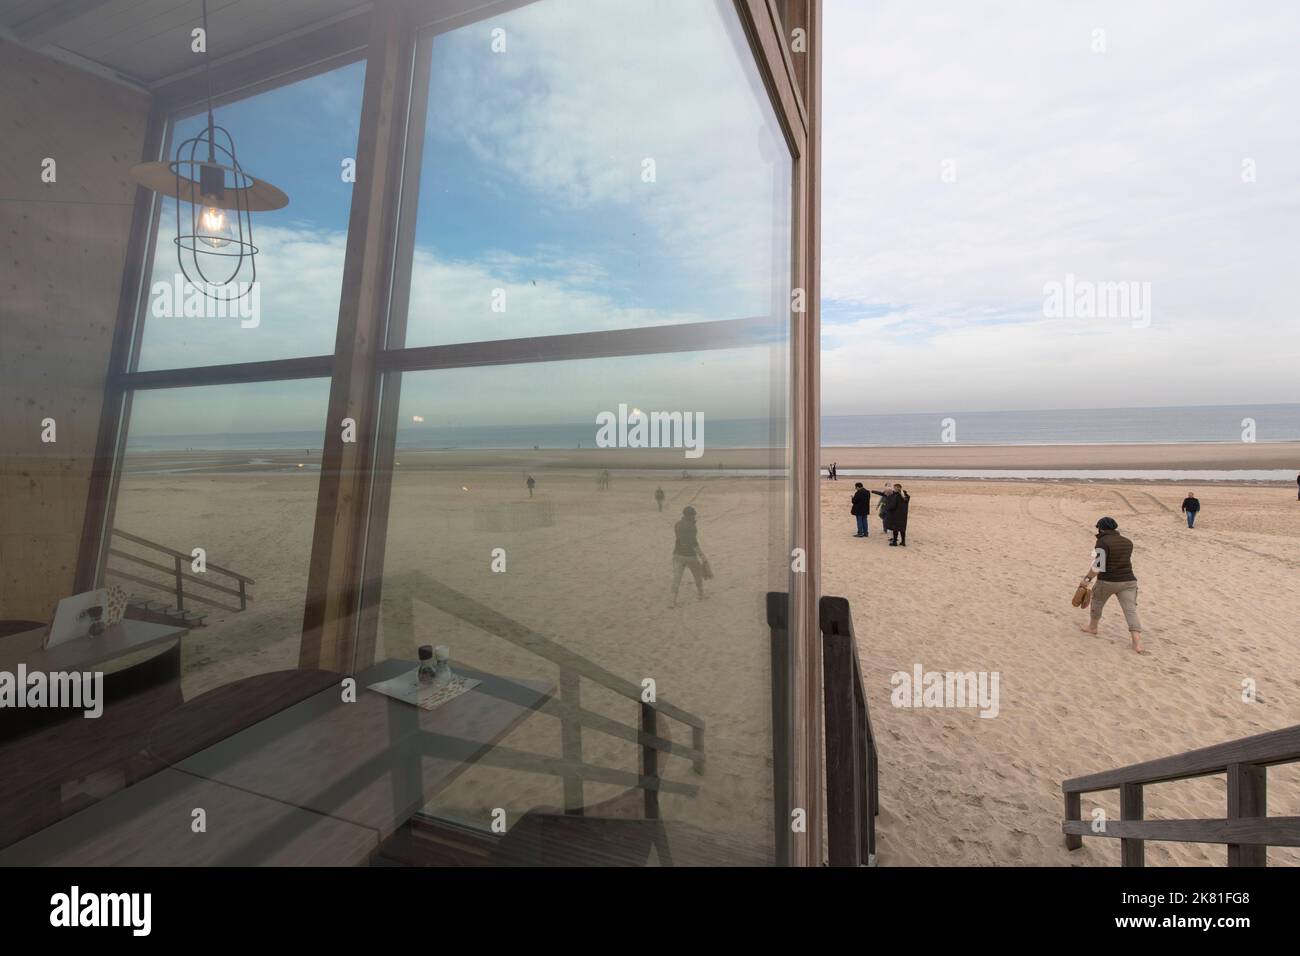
214, 227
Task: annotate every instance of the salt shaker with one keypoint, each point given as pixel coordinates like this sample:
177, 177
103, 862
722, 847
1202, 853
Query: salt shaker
443, 669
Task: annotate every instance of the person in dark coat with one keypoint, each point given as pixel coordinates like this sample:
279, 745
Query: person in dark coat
894, 513
531, 485
659, 498
861, 509
1191, 505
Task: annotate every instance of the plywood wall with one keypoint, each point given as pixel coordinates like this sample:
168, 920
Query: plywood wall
62, 246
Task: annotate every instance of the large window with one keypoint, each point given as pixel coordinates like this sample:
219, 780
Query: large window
599, 169
575, 440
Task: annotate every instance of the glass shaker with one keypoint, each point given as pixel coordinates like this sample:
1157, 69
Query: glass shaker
443, 669
426, 672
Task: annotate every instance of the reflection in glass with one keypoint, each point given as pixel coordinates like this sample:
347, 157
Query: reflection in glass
233, 470
565, 582
296, 136
617, 166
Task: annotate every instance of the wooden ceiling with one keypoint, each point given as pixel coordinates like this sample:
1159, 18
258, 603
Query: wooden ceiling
148, 41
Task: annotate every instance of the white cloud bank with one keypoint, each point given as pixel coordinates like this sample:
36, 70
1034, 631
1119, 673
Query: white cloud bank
1123, 165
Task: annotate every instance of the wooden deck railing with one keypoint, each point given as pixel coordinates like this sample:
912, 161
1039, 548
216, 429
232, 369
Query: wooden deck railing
1247, 829
178, 574
567, 707
852, 764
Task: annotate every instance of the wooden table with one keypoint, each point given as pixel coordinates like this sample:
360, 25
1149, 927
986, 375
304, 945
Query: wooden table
374, 762
83, 653
150, 824
321, 782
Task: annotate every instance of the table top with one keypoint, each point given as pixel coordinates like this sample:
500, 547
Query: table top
151, 824
374, 762
83, 653
322, 782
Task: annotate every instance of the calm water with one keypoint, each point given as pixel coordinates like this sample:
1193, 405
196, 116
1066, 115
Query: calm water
1206, 423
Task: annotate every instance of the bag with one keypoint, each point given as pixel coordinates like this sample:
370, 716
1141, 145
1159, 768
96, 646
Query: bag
705, 571
1082, 595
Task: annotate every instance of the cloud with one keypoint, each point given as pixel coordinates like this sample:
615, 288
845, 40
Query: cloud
1117, 166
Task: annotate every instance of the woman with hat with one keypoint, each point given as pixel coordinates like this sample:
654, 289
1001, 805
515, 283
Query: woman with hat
1112, 566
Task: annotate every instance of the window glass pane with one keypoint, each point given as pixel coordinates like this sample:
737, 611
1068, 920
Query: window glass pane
232, 470
296, 137
564, 586
614, 165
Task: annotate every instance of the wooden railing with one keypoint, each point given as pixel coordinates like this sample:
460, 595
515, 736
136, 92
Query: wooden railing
1247, 829
567, 707
852, 764
178, 574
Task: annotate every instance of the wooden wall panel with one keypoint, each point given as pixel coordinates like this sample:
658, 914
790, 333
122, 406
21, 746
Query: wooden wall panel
61, 253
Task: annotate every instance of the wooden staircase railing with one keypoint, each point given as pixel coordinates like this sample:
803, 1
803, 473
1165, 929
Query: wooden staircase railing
567, 707
177, 577
1247, 829
852, 764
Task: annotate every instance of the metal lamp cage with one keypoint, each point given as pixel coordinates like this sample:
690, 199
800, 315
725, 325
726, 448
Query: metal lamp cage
215, 180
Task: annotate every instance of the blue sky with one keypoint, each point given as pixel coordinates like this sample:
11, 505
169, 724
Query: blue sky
532, 181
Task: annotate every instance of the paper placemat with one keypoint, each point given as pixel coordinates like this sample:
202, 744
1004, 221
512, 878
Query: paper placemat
407, 687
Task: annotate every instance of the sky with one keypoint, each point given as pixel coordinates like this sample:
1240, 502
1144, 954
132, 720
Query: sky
1113, 157
534, 180
972, 154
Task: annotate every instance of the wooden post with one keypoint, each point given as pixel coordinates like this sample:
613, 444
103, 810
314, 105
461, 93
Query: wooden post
243, 596
571, 741
650, 759
1073, 811
180, 586
778, 612
329, 638
1131, 852
1247, 797
866, 814
843, 776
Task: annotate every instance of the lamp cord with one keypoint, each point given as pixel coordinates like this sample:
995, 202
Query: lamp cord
207, 70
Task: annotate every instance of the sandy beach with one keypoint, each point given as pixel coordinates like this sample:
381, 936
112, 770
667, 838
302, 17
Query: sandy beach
984, 585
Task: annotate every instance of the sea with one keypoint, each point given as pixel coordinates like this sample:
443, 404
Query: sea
1162, 425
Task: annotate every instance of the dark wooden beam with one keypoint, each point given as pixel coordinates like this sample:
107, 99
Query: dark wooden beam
1132, 851
1247, 832
1277, 746
334, 574
1247, 799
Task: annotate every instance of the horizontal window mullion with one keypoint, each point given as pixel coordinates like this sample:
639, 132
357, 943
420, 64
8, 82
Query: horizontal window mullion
652, 340
315, 366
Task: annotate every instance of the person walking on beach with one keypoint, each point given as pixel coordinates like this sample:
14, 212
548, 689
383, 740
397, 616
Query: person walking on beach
531, 485
861, 509
1190, 507
687, 555
1297, 487
835, 471
659, 498
1112, 566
